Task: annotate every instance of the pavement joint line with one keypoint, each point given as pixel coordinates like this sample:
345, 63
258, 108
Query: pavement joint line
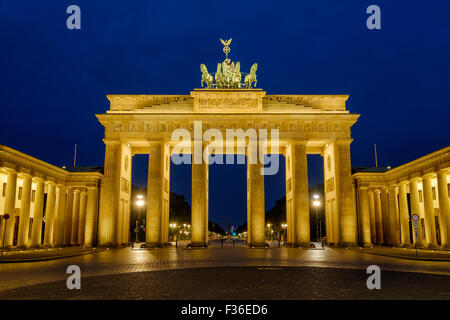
393, 255
49, 258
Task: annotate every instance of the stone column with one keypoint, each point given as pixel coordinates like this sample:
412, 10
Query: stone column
10, 206
109, 199
154, 195
373, 230
444, 208
91, 213
365, 216
24, 221
430, 225
404, 215
347, 214
49, 214
385, 216
60, 215
378, 217
82, 220
256, 194
415, 209
68, 217
301, 195
394, 224
75, 218
198, 215
36, 234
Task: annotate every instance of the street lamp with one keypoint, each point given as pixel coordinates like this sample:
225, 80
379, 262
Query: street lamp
316, 204
140, 202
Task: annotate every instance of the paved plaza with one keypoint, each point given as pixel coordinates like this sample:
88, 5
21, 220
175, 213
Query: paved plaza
218, 272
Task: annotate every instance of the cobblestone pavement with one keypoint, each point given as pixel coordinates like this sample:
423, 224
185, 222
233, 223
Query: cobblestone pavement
126, 260
240, 283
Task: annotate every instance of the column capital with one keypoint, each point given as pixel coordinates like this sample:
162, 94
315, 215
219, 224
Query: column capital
343, 141
404, 182
297, 142
414, 179
25, 174
443, 171
10, 170
110, 141
50, 182
38, 179
76, 191
428, 175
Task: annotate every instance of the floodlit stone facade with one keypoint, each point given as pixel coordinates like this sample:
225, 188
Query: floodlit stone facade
48, 206
306, 124
388, 198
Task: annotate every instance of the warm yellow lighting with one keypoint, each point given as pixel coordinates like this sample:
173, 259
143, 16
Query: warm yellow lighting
140, 203
140, 196
268, 225
184, 225
316, 196
316, 203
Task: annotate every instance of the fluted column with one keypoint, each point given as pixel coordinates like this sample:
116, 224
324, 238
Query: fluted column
301, 195
82, 219
373, 230
75, 218
154, 195
58, 238
49, 214
344, 182
68, 217
91, 213
24, 221
415, 209
109, 199
394, 224
385, 216
404, 215
198, 218
365, 216
36, 235
10, 205
256, 194
444, 208
430, 225
378, 217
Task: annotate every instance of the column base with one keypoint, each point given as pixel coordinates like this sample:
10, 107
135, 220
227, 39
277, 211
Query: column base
367, 244
306, 245
258, 245
432, 246
445, 247
406, 245
197, 245
151, 245
349, 244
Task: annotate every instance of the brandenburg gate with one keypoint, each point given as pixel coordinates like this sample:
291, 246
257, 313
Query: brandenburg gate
224, 118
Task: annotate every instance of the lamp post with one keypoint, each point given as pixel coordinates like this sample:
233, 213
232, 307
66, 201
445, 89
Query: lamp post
140, 202
316, 204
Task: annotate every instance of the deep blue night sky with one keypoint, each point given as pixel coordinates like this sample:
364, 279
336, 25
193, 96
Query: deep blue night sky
53, 80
